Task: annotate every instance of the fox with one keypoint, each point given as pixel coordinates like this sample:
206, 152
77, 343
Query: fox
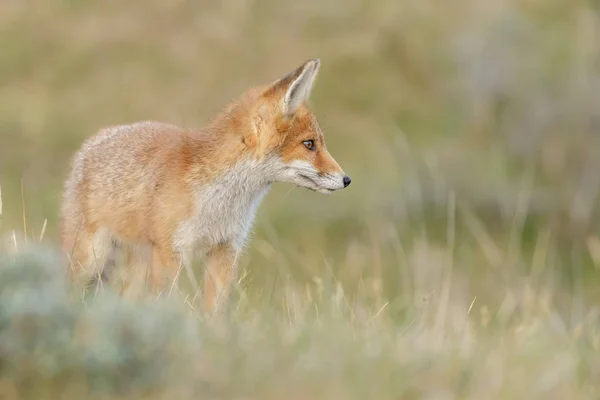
185, 192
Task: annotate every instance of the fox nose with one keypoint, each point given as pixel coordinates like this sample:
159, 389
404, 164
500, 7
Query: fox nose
346, 180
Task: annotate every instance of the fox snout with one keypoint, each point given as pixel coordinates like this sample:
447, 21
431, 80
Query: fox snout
304, 173
325, 162
343, 178
346, 180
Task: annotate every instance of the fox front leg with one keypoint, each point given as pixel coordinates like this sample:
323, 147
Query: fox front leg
219, 277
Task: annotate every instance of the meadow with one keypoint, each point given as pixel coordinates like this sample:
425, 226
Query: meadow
462, 262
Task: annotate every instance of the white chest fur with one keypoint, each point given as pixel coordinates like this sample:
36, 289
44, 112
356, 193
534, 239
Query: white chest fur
225, 209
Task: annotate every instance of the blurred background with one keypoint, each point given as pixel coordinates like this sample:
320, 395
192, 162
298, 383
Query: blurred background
470, 130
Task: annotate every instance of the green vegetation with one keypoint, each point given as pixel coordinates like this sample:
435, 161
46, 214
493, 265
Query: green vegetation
462, 262
56, 346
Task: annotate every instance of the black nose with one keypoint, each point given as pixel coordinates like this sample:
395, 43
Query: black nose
347, 180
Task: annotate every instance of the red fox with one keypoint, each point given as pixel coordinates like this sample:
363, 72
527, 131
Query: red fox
185, 192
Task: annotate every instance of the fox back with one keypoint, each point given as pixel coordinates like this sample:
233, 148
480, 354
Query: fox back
180, 191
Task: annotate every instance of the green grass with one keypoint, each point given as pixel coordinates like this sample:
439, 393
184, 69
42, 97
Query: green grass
462, 262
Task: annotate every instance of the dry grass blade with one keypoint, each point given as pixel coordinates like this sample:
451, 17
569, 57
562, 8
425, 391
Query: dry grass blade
23, 209
43, 229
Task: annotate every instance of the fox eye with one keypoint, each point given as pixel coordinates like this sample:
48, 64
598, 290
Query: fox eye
309, 144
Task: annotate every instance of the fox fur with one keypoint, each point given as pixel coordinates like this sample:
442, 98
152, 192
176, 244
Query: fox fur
182, 192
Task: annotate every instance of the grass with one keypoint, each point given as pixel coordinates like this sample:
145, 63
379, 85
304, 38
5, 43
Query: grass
432, 340
462, 262
315, 343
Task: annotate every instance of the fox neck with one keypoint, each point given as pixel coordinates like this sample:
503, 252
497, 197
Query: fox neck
235, 162
225, 208
229, 184
248, 176
233, 147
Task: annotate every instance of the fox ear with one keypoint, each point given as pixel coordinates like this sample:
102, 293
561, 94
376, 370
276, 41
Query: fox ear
296, 86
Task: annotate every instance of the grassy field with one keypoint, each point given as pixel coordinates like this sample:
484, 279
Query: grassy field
462, 262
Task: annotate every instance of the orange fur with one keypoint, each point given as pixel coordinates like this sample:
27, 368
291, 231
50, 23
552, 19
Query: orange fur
177, 190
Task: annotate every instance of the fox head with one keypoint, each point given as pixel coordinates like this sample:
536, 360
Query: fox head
286, 130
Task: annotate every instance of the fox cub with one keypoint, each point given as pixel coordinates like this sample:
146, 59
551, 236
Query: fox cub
180, 192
